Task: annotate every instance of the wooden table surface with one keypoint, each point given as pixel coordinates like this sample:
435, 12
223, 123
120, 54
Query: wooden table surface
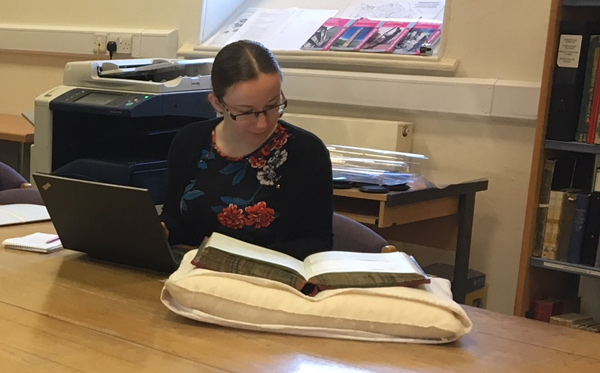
63, 312
15, 128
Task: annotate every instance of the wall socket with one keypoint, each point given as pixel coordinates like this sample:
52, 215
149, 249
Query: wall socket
123, 42
99, 43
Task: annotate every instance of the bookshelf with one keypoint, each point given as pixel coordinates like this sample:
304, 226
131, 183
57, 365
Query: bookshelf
540, 278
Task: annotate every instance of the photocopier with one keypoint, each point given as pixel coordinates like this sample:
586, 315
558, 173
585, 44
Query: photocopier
113, 121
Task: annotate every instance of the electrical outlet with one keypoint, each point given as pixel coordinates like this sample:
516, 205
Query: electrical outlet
123, 42
99, 43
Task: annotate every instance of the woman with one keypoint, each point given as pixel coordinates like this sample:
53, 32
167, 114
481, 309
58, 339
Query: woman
248, 174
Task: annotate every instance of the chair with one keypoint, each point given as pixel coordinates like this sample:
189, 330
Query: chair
14, 188
350, 235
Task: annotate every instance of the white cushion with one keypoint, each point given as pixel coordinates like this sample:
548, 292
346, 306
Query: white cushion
426, 314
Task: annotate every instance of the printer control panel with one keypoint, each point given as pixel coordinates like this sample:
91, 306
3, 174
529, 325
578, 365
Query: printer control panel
103, 102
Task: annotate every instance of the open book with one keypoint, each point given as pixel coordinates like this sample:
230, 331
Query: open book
320, 271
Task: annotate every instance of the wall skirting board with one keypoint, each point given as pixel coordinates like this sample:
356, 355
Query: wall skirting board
463, 96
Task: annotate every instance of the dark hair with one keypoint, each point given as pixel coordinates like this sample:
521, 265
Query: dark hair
241, 61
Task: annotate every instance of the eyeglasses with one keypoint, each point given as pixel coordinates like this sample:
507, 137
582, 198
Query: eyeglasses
252, 116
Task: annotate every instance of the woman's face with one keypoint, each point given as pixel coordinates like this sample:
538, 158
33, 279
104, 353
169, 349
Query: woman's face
243, 99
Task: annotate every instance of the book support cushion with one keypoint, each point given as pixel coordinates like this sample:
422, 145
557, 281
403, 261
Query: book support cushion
425, 314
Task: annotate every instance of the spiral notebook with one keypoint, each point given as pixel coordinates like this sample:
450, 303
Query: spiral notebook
40, 242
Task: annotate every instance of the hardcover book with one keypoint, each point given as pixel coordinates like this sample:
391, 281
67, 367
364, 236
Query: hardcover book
328, 33
589, 246
565, 225
590, 100
570, 319
542, 214
320, 271
582, 202
569, 74
551, 232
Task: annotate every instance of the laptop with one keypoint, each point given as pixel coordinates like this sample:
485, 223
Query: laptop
109, 222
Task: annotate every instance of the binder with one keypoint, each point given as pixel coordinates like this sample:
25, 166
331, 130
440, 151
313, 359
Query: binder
569, 74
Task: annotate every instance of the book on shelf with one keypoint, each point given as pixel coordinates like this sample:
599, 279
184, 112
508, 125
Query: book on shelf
566, 223
571, 319
591, 231
555, 232
569, 75
320, 271
387, 36
542, 213
590, 100
545, 309
581, 204
424, 32
355, 36
558, 224
324, 37
38, 242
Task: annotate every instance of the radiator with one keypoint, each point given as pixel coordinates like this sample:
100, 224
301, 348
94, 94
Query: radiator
365, 133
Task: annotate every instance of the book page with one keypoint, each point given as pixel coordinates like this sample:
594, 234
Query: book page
22, 213
413, 9
220, 38
343, 261
282, 29
238, 247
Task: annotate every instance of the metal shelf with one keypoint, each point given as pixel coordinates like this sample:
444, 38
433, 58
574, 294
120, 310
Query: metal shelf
573, 146
581, 3
561, 266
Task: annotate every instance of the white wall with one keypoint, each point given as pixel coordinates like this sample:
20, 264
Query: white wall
498, 39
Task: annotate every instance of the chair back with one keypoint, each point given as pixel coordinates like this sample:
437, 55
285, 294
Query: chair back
350, 235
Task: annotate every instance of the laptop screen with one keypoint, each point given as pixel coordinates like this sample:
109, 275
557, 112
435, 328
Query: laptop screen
109, 222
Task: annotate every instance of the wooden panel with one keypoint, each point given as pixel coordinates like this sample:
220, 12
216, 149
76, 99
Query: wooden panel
440, 233
397, 215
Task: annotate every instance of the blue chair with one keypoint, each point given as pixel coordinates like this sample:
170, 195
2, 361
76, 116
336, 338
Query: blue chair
14, 188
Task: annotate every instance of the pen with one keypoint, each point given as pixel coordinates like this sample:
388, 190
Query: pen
53, 239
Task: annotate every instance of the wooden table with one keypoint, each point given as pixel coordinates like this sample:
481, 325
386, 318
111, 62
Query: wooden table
16, 128
63, 312
440, 218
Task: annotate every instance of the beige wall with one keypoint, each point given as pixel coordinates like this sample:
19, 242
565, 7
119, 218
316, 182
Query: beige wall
501, 39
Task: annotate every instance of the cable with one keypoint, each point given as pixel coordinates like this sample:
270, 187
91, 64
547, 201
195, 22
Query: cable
111, 47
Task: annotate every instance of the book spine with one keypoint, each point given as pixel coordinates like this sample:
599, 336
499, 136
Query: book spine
579, 217
589, 247
542, 214
565, 225
594, 136
597, 260
552, 225
568, 81
584, 128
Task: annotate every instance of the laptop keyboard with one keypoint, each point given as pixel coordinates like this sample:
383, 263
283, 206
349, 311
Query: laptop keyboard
178, 254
